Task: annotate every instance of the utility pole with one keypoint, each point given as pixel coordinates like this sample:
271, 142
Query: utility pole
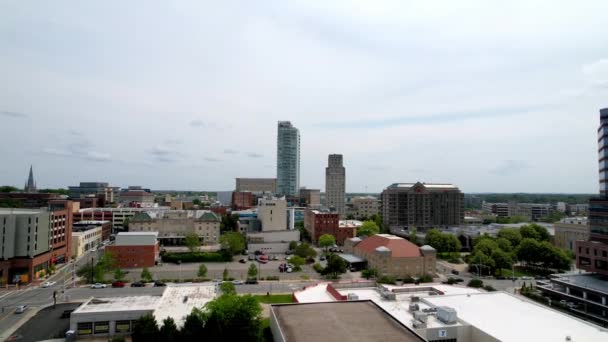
92, 270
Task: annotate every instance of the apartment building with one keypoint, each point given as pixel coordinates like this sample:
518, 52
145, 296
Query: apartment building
173, 226
422, 205
288, 159
365, 206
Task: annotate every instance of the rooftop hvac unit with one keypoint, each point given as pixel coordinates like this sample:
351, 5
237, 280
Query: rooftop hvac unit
413, 307
419, 325
421, 316
353, 296
414, 299
447, 315
389, 295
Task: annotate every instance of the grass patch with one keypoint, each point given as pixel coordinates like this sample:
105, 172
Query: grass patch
274, 299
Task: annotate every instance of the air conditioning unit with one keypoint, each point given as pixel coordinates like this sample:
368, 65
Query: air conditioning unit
413, 308
353, 296
420, 316
389, 295
447, 315
414, 299
419, 325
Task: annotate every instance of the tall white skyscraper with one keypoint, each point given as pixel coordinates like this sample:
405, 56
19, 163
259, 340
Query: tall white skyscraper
288, 159
335, 184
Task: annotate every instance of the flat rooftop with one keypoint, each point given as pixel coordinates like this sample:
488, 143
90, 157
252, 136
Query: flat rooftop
179, 300
357, 321
115, 304
594, 282
513, 319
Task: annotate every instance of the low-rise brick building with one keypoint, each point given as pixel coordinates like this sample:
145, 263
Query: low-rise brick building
393, 255
318, 222
135, 249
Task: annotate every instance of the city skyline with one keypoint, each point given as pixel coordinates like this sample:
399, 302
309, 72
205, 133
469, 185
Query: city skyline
494, 99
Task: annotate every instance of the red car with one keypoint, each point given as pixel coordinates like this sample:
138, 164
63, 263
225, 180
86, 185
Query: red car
118, 284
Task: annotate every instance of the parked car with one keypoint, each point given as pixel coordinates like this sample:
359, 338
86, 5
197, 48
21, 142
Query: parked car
251, 281
455, 272
67, 313
20, 309
245, 252
118, 284
238, 282
138, 284
243, 261
289, 270
282, 267
275, 257
159, 283
98, 286
48, 284
563, 302
258, 252
322, 258
251, 257
526, 278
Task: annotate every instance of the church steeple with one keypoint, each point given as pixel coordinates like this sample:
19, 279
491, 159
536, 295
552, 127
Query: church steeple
30, 186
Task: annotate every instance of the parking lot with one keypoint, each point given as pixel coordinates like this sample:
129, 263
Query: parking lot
46, 324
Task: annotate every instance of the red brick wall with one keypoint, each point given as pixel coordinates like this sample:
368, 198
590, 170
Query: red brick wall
325, 223
242, 200
134, 256
345, 233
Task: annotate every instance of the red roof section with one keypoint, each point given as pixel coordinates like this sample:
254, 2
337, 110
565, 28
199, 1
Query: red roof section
400, 247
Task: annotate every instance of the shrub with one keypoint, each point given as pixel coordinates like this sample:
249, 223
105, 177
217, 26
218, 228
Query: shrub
272, 278
476, 283
489, 288
387, 280
427, 278
197, 257
408, 280
318, 267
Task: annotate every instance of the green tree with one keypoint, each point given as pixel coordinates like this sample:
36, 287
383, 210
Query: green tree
529, 251
202, 271
233, 318
476, 283
168, 332
481, 263
335, 266
197, 201
119, 274
8, 188
368, 228
504, 244
511, 234
293, 245
107, 262
542, 232
304, 250
233, 242
501, 259
192, 242
146, 276
487, 246
145, 329
326, 241
369, 273
297, 262
252, 272
529, 232
227, 288
229, 223
413, 237
434, 238
225, 274
193, 329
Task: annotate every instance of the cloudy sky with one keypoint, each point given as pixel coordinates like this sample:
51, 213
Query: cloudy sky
492, 96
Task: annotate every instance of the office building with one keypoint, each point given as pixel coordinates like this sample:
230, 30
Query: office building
135, 249
569, 230
25, 244
29, 200
87, 189
365, 206
288, 159
135, 194
310, 198
242, 200
272, 212
392, 255
340, 321
453, 313
318, 223
592, 255
84, 239
105, 226
30, 185
260, 185
422, 205
335, 186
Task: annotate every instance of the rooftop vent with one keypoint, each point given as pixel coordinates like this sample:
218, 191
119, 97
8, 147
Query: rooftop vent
419, 325
447, 315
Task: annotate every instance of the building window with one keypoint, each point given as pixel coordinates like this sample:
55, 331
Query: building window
84, 328
102, 327
123, 326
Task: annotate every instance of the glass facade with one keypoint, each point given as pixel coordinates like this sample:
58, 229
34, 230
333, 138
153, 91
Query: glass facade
288, 159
